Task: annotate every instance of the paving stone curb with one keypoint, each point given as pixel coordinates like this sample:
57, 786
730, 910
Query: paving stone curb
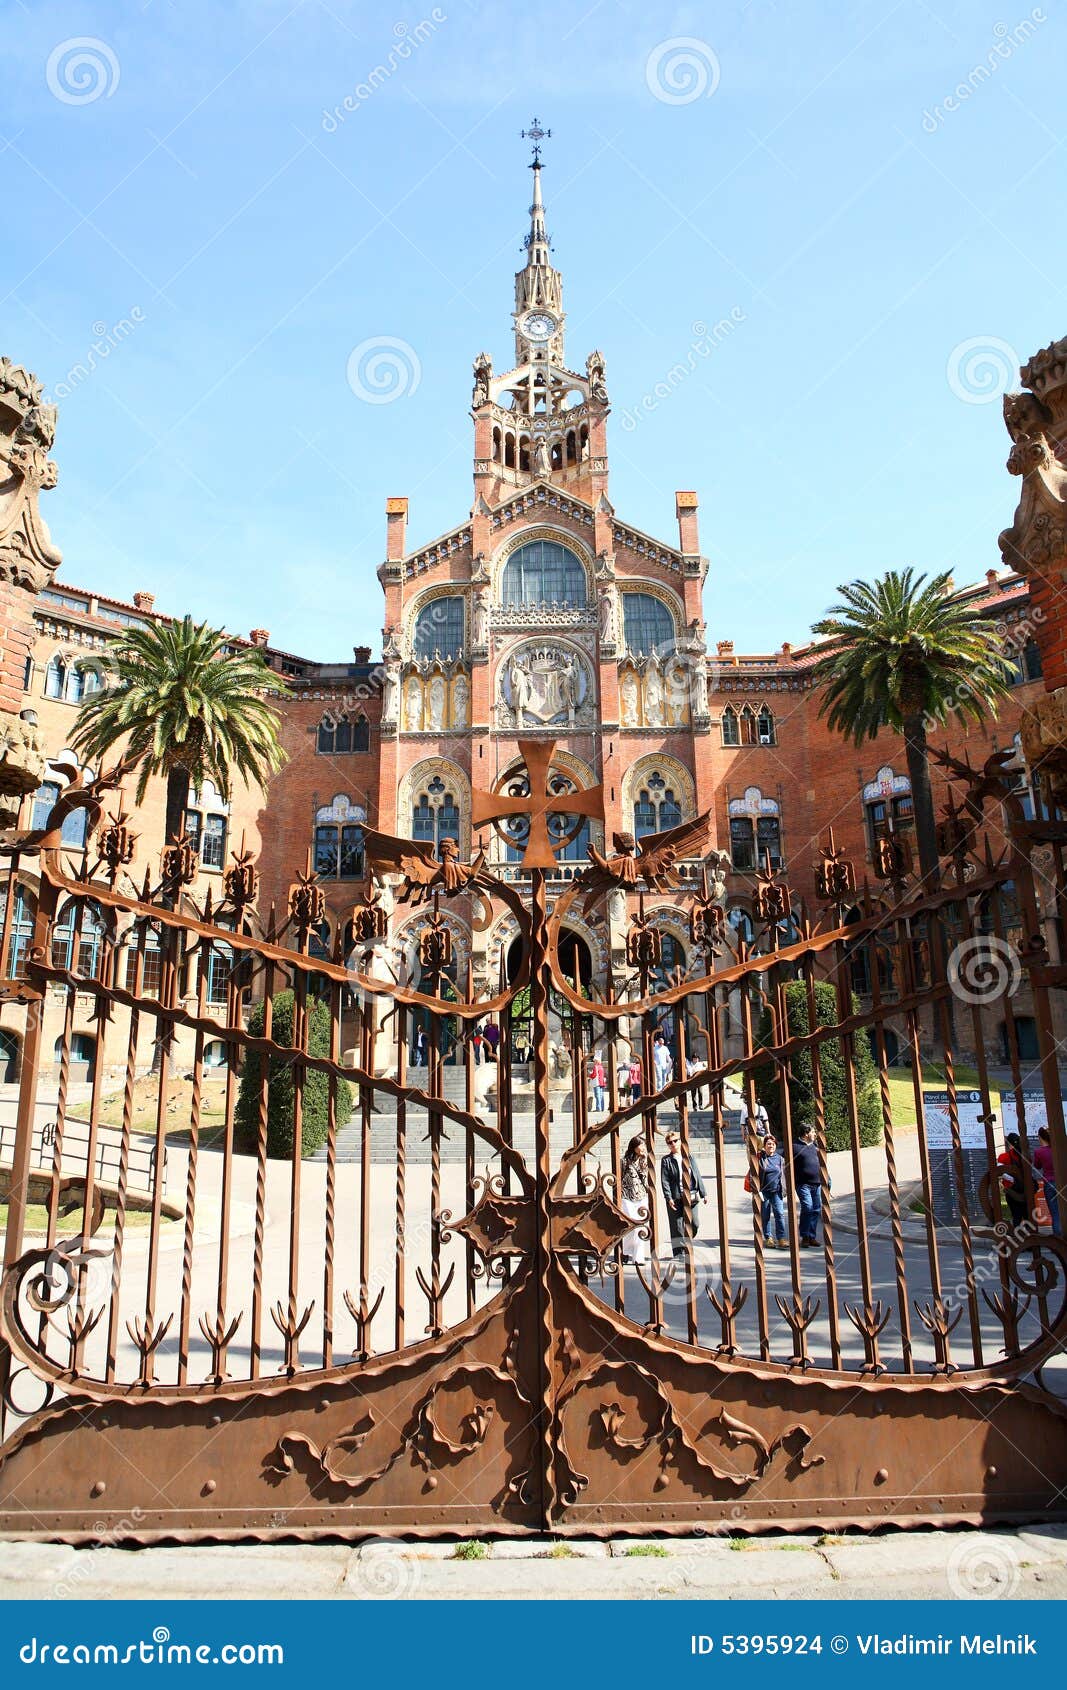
1029, 1560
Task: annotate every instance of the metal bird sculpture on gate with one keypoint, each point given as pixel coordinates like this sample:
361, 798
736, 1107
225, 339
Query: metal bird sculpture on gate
424, 870
650, 860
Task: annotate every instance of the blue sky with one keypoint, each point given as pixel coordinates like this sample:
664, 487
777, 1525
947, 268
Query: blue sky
884, 262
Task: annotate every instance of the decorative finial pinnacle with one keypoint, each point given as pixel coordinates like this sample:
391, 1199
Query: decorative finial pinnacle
536, 134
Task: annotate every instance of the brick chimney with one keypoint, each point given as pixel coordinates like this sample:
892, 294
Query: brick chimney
685, 505
992, 580
396, 523
144, 601
260, 636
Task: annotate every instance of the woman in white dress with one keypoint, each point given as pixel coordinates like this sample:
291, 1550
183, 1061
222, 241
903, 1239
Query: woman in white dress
634, 1183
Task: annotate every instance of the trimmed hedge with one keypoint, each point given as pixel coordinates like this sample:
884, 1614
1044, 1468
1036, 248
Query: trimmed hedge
831, 1069
281, 1087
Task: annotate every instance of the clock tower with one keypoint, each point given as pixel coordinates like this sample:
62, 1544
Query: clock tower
539, 421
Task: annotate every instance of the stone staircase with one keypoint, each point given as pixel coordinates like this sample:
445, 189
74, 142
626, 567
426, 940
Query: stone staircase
453, 1137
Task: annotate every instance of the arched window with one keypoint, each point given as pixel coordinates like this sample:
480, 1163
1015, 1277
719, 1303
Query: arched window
73, 829
361, 734
143, 947
755, 832
439, 628
672, 964
218, 970
22, 921
543, 572
55, 678
435, 814
334, 735
648, 625
339, 851
742, 923
206, 824
730, 732
337, 844
1027, 664
656, 807
92, 934
765, 726
888, 806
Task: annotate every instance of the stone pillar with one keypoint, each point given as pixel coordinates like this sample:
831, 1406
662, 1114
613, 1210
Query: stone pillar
28, 561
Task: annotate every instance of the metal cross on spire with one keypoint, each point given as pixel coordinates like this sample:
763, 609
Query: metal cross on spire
536, 134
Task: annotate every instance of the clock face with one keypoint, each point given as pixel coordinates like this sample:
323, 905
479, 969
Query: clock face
539, 325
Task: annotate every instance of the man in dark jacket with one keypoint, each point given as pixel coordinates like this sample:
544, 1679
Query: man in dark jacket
807, 1182
670, 1179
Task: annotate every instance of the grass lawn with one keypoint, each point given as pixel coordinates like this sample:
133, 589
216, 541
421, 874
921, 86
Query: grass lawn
902, 1090
69, 1220
179, 1105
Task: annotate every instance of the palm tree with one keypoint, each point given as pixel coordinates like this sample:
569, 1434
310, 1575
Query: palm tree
907, 653
188, 706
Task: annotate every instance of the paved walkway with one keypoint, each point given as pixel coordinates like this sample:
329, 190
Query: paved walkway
1025, 1564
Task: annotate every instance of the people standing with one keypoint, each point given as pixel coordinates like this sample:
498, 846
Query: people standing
674, 1184
772, 1199
418, 1049
693, 1065
622, 1079
478, 1044
758, 1119
1043, 1163
634, 1077
807, 1183
1012, 1166
598, 1080
662, 1062
635, 1204
492, 1039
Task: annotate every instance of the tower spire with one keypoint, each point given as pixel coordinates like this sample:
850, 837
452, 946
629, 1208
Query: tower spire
538, 287
537, 241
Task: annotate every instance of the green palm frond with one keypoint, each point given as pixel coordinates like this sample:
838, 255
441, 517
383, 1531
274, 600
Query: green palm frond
905, 648
180, 699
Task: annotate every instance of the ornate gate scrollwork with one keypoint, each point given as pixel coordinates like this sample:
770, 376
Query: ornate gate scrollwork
456, 1316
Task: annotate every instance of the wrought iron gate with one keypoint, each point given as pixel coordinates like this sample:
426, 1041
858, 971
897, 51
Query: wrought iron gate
445, 1321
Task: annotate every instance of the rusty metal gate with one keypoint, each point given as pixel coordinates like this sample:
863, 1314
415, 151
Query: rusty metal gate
453, 1317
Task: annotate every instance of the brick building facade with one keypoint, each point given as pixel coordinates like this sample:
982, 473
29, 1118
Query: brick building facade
541, 614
